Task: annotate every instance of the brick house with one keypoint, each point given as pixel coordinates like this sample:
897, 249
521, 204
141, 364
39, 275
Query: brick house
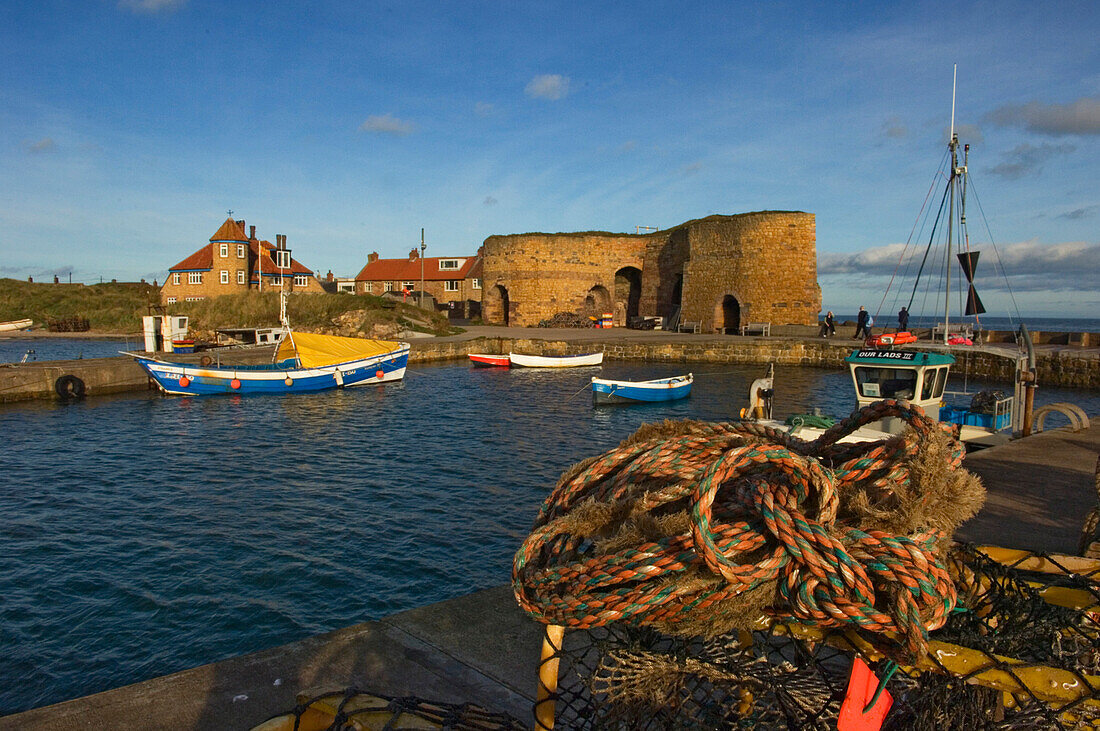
454, 281
235, 262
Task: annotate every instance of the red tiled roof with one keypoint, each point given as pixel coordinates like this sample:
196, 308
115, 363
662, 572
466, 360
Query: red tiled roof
202, 259
267, 260
392, 270
230, 231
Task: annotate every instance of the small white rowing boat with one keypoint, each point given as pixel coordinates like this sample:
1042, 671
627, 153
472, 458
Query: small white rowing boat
15, 325
555, 361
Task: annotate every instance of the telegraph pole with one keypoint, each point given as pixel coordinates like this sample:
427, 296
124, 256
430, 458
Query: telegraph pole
422, 247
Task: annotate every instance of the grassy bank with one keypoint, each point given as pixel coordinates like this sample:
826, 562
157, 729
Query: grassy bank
119, 307
342, 314
109, 307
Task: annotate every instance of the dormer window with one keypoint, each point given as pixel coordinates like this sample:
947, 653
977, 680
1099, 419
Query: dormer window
449, 264
282, 259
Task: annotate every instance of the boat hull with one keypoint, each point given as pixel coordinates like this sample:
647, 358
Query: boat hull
186, 379
605, 391
482, 360
555, 361
15, 325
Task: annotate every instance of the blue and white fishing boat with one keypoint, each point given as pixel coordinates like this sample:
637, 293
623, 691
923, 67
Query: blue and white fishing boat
303, 362
605, 391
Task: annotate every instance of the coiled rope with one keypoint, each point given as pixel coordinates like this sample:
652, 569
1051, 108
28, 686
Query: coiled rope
699, 528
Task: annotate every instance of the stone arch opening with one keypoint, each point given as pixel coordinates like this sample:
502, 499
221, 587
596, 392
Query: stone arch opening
628, 293
597, 301
727, 315
496, 305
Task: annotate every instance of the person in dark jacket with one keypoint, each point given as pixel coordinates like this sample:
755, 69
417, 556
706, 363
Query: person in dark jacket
828, 325
903, 319
862, 324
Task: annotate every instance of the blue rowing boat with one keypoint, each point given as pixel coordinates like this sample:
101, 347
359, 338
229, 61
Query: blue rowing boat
304, 362
606, 391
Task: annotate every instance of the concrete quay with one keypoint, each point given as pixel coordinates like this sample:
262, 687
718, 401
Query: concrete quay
482, 649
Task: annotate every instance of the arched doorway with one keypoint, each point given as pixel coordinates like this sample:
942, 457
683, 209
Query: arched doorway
496, 306
597, 301
628, 293
727, 315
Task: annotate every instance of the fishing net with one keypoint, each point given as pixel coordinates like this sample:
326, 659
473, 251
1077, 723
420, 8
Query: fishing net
729, 575
1021, 651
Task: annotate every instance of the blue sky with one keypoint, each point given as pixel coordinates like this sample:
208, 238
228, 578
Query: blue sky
129, 128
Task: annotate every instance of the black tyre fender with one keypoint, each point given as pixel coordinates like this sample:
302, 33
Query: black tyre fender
69, 388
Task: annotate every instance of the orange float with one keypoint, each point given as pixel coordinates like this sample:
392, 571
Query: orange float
235, 384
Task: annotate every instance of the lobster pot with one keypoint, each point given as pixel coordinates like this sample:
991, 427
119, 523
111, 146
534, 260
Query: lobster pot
605, 319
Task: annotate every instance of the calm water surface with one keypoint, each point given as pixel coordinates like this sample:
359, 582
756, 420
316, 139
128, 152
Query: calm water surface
145, 534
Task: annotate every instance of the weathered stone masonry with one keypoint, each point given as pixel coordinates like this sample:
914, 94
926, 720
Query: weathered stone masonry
719, 271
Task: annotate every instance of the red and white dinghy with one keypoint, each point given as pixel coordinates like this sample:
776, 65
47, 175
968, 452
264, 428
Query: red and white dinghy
483, 360
899, 338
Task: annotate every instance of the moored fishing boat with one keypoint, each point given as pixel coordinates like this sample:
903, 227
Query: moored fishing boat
606, 391
555, 361
303, 362
487, 360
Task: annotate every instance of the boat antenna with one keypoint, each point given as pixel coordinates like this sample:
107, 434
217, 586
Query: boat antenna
953, 146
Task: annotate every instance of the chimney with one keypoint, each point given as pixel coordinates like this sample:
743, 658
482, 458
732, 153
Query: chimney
251, 233
328, 278
413, 254
372, 257
241, 224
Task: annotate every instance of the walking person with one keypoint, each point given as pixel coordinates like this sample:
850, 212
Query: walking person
828, 325
862, 323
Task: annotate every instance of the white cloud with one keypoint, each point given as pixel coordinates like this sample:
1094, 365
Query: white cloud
548, 86
1028, 266
152, 6
1081, 117
387, 124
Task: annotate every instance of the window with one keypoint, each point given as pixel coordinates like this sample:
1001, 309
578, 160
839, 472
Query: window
194, 277
300, 280
240, 251
408, 285
451, 285
223, 250
195, 299
225, 276
387, 286
368, 286
899, 383
282, 259
449, 264
171, 300
176, 278
240, 276
277, 281
475, 283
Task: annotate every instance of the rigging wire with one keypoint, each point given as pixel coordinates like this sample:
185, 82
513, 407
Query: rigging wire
908, 241
1000, 263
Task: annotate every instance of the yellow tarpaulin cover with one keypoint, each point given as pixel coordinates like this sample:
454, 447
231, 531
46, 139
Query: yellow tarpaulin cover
314, 351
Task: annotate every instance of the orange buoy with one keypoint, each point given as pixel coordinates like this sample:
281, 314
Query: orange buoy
289, 381
379, 373
185, 381
235, 383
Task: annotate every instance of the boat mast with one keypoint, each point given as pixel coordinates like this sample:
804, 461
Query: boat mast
953, 146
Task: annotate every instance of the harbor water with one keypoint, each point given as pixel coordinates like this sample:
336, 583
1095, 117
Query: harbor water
145, 534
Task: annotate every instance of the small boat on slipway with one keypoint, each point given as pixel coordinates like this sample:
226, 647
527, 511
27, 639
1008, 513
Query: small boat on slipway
605, 391
487, 360
15, 325
555, 361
